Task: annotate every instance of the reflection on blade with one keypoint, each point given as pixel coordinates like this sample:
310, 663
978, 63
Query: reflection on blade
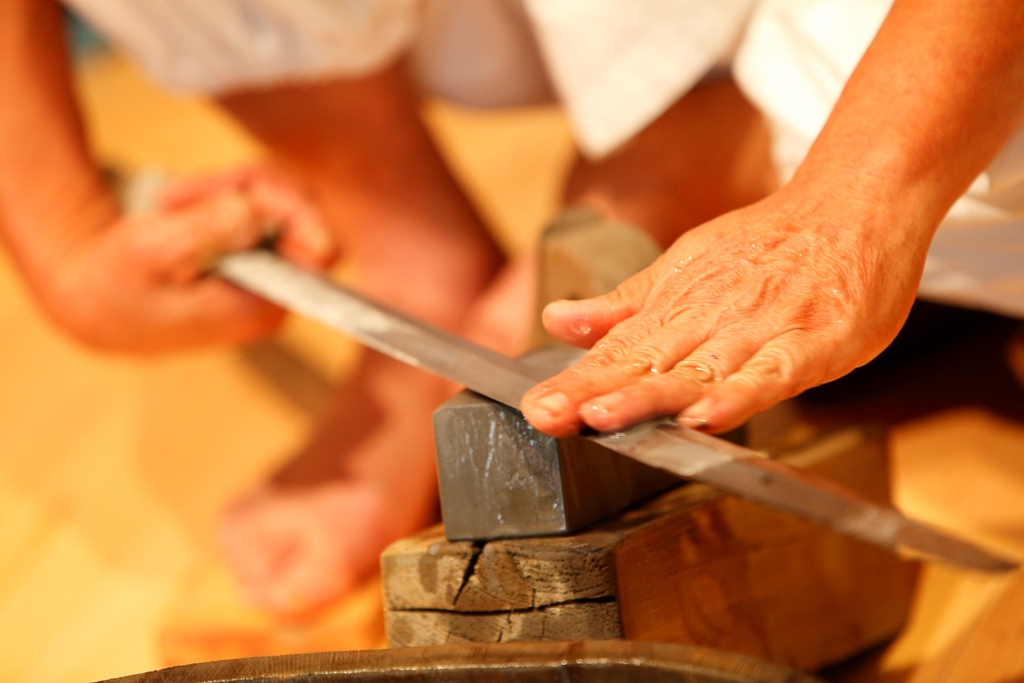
662, 443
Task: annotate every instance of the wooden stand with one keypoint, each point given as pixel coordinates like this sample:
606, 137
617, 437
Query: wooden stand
692, 566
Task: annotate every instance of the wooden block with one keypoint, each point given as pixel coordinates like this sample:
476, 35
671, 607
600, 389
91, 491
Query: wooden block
499, 477
583, 255
693, 566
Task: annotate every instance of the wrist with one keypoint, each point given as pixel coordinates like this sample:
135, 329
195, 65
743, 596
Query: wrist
871, 195
47, 259
45, 240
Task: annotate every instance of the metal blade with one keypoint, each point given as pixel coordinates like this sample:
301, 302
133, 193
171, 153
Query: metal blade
729, 467
392, 333
663, 444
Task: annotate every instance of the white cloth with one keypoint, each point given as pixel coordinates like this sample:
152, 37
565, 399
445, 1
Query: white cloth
211, 46
618, 64
615, 65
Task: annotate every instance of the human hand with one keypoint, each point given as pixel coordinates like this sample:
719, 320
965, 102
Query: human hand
740, 313
300, 232
141, 283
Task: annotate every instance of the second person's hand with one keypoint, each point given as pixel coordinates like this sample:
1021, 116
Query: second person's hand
140, 283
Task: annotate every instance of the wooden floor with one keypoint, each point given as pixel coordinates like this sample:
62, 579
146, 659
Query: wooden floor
113, 470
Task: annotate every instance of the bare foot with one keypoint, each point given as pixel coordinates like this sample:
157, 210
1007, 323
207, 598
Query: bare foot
367, 478
293, 549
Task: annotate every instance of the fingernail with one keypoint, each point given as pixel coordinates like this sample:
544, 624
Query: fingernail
581, 328
696, 416
553, 404
606, 404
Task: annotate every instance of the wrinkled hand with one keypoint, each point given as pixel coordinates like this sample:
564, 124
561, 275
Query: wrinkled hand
740, 313
140, 284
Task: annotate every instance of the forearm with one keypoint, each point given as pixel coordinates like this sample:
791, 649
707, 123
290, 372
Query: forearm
50, 191
935, 97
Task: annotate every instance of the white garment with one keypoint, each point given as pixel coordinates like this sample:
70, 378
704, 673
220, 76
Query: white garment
212, 46
615, 65
618, 64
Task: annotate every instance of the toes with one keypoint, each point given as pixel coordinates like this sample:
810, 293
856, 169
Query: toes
309, 580
294, 551
254, 547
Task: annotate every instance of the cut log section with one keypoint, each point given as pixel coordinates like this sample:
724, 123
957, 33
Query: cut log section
692, 566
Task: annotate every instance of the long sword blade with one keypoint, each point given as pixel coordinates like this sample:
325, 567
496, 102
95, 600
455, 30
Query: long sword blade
660, 443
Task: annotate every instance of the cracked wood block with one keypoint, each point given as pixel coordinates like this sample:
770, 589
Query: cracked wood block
692, 566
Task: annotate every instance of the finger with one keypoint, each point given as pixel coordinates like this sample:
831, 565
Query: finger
305, 237
584, 322
183, 246
630, 352
230, 315
781, 369
208, 311
668, 393
178, 194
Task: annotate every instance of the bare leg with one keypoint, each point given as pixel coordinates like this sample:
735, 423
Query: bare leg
367, 476
705, 156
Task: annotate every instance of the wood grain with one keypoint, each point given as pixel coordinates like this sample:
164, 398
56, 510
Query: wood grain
693, 566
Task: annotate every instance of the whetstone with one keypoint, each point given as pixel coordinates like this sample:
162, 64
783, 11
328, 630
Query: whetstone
501, 478
692, 566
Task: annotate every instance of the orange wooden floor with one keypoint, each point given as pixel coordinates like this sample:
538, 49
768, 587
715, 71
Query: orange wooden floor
113, 470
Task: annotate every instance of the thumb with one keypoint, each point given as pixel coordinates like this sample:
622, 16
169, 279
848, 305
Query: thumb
584, 322
305, 237
186, 243
179, 193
